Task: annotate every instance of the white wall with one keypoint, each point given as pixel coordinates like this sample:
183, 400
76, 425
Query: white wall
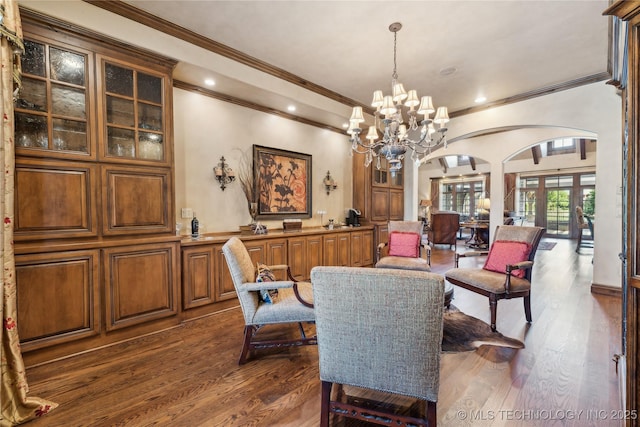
588, 111
206, 129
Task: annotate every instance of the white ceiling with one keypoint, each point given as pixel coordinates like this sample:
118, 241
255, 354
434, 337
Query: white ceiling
499, 49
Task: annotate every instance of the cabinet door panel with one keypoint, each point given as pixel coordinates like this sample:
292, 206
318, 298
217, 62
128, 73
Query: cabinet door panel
137, 200
58, 297
356, 249
277, 254
330, 250
314, 253
367, 249
141, 283
344, 250
198, 277
396, 205
379, 204
55, 199
298, 257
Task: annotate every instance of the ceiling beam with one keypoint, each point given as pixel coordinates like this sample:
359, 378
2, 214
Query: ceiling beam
443, 164
583, 149
536, 152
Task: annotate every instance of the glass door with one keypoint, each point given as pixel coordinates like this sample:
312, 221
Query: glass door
558, 208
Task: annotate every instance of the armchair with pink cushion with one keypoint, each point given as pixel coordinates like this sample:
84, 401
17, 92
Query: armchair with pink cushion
404, 250
507, 270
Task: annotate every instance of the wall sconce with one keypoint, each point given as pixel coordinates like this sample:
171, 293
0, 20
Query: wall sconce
329, 183
224, 174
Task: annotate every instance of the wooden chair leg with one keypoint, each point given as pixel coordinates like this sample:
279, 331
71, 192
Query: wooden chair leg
493, 306
432, 419
325, 404
579, 241
527, 308
248, 333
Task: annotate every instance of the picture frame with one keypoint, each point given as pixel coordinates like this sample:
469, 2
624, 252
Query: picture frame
282, 182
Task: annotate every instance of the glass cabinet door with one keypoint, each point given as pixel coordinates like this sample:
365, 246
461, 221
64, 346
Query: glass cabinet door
51, 109
134, 111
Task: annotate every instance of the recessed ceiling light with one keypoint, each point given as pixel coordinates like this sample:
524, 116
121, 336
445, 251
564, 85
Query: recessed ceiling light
480, 99
291, 108
210, 82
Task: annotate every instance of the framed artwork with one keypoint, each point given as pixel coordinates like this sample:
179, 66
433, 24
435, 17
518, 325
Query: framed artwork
283, 183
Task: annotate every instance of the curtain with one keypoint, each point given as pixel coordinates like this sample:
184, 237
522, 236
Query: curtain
16, 407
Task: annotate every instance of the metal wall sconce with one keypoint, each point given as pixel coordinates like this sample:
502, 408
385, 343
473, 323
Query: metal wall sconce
224, 174
329, 183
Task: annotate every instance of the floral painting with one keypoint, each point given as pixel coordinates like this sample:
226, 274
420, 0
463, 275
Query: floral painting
283, 183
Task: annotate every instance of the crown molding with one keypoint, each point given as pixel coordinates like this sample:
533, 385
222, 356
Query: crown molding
140, 16
130, 12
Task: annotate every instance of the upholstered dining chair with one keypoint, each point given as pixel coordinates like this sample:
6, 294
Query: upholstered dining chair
583, 225
507, 270
293, 303
379, 330
404, 250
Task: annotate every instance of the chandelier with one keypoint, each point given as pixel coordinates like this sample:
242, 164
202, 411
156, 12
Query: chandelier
397, 136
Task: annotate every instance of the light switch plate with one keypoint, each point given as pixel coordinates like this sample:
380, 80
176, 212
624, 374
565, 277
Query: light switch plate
187, 213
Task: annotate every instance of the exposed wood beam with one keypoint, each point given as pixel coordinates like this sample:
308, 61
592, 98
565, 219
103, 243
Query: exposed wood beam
537, 154
583, 149
472, 162
443, 164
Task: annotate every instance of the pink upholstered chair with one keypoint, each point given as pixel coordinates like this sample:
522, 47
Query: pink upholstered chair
507, 270
404, 250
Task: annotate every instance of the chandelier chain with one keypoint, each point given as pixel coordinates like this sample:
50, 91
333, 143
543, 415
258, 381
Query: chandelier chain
394, 76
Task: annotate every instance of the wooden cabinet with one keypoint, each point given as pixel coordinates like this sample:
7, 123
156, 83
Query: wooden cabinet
54, 110
337, 250
94, 190
378, 193
362, 249
136, 200
58, 297
141, 283
55, 199
198, 276
305, 252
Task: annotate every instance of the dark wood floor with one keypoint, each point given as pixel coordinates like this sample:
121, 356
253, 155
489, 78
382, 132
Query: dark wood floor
188, 376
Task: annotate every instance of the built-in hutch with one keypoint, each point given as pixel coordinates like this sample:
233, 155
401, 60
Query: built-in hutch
378, 194
97, 258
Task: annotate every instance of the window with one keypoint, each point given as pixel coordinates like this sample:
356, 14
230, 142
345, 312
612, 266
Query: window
462, 197
561, 146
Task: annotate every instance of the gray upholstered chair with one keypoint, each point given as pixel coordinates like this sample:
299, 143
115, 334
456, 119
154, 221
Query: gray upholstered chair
378, 329
415, 262
499, 280
294, 303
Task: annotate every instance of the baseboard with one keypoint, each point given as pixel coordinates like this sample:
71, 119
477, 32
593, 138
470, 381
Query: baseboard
606, 290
